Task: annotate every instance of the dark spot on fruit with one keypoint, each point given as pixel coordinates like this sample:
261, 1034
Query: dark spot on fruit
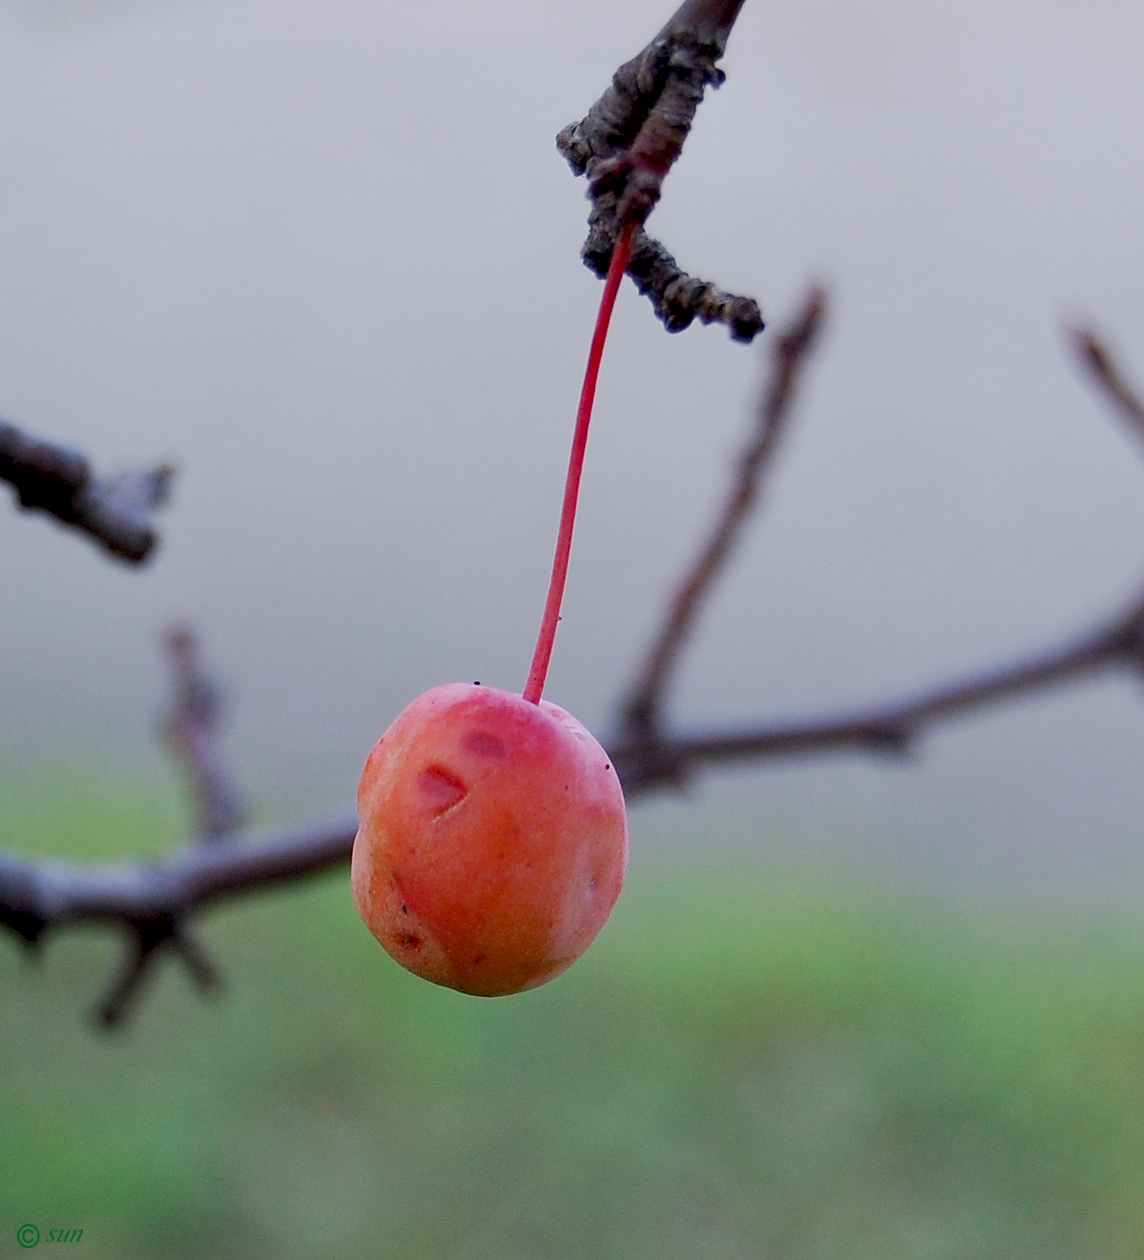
480, 958
404, 908
410, 940
441, 789
485, 744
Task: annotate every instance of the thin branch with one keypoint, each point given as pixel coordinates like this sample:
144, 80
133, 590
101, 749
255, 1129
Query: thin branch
191, 731
646, 759
613, 123
112, 1009
155, 900
149, 937
54, 893
116, 511
1096, 358
644, 764
788, 354
677, 298
628, 142
196, 960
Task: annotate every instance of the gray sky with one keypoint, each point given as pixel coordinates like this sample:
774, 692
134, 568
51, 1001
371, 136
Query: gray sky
326, 258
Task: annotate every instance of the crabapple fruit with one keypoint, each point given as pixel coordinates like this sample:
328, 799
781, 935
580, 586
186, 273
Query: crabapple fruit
493, 840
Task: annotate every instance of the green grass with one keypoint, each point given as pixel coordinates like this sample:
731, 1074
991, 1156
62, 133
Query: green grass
743, 1066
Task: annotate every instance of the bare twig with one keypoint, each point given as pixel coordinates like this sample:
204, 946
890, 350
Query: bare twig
148, 938
116, 511
190, 730
1096, 358
628, 142
646, 758
788, 354
644, 764
36, 895
154, 901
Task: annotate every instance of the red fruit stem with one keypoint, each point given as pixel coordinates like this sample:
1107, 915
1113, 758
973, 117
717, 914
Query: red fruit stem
621, 253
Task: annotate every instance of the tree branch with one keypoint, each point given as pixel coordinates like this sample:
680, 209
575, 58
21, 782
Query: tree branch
1096, 358
51, 893
645, 758
155, 900
628, 142
788, 353
646, 763
148, 937
191, 729
116, 511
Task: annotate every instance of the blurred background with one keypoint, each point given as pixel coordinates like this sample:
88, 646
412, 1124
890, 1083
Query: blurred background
325, 258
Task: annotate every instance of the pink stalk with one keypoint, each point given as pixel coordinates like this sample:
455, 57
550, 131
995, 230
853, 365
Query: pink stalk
543, 654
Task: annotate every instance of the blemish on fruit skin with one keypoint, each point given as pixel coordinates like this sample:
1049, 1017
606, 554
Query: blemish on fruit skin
485, 744
410, 940
441, 789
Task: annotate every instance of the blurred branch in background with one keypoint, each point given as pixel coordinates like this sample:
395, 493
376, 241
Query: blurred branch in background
153, 901
641, 712
1096, 358
646, 758
645, 762
115, 511
190, 730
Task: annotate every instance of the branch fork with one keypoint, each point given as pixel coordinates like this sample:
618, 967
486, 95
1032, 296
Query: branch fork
627, 143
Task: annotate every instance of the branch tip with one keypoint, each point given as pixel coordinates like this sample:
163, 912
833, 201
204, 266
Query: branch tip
1101, 367
627, 144
191, 730
115, 512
